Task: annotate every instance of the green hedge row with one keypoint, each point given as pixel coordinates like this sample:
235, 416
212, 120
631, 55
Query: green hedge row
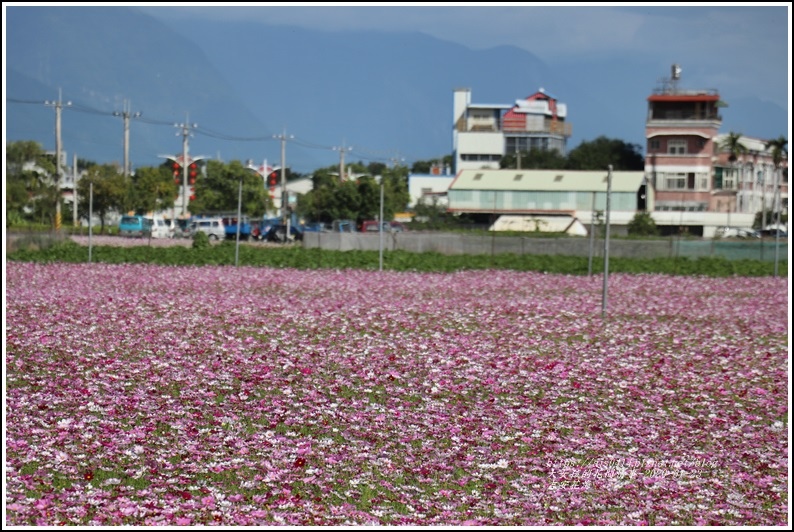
300, 258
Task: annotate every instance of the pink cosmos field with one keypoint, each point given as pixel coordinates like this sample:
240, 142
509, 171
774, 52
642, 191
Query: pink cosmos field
155, 395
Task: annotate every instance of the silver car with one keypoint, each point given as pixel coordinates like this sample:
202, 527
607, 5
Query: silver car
213, 227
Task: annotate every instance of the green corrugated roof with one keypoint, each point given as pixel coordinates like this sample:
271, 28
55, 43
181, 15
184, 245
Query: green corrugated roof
553, 180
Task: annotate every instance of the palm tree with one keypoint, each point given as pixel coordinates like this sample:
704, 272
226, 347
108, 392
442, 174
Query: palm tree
733, 145
778, 147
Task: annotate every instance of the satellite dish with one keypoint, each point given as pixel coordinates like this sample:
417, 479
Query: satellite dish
676, 72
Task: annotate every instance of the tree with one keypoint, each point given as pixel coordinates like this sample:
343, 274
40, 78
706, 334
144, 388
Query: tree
642, 224
30, 188
598, 154
218, 191
778, 147
357, 199
423, 167
109, 192
733, 145
152, 189
535, 159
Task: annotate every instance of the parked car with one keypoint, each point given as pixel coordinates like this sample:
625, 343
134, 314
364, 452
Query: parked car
181, 228
136, 225
277, 233
212, 227
315, 227
343, 226
735, 232
371, 226
774, 232
161, 228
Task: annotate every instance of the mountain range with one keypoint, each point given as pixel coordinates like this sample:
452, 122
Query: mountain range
378, 96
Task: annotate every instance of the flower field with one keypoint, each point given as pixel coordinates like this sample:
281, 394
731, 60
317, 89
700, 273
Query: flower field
156, 395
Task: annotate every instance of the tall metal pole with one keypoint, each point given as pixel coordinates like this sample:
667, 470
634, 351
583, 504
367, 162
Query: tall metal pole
126, 114
239, 221
185, 162
592, 238
285, 221
58, 108
776, 202
185, 165
74, 190
380, 226
90, 216
606, 246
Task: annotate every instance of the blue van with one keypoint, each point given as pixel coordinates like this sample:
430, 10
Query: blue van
135, 226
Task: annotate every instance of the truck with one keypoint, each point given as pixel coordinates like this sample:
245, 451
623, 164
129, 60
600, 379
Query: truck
230, 223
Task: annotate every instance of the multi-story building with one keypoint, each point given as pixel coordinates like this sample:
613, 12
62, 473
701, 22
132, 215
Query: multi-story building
689, 164
484, 133
680, 130
750, 183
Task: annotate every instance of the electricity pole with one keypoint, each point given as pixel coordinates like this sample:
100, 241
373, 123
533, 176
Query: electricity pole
58, 107
74, 189
284, 195
186, 127
126, 115
342, 150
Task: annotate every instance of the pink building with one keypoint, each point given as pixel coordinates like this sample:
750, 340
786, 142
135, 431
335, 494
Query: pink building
688, 164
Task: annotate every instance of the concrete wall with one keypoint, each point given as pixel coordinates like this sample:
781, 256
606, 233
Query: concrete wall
457, 244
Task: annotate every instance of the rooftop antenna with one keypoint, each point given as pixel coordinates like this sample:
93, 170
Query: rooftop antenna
675, 75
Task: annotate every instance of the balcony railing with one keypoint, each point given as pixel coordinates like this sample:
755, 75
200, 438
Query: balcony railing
553, 127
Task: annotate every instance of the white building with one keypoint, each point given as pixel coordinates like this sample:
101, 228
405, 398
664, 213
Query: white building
483, 133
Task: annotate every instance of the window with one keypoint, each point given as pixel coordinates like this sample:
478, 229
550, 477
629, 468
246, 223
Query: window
676, 146
654, 144
675, 183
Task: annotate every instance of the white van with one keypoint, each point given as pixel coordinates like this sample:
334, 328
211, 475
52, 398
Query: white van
161, 228
213, 227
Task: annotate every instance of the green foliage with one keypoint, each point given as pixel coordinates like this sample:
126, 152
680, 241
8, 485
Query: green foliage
31, 194
200, 240
778, 147
218, 190
152, 189
771, 217
315, 258
535, 159
357, 199
733, 145
642, 224
423, 167
110, 192
598, 154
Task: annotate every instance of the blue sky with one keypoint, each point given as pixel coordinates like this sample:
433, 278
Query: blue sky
710, 41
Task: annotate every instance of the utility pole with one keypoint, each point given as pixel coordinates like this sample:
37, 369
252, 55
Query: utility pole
126, 115
186, 127
606, 246
342, 150
74, 189
58, 107
284, 195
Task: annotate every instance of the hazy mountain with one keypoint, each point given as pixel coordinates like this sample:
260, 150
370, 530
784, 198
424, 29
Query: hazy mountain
385, 94
101, 56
